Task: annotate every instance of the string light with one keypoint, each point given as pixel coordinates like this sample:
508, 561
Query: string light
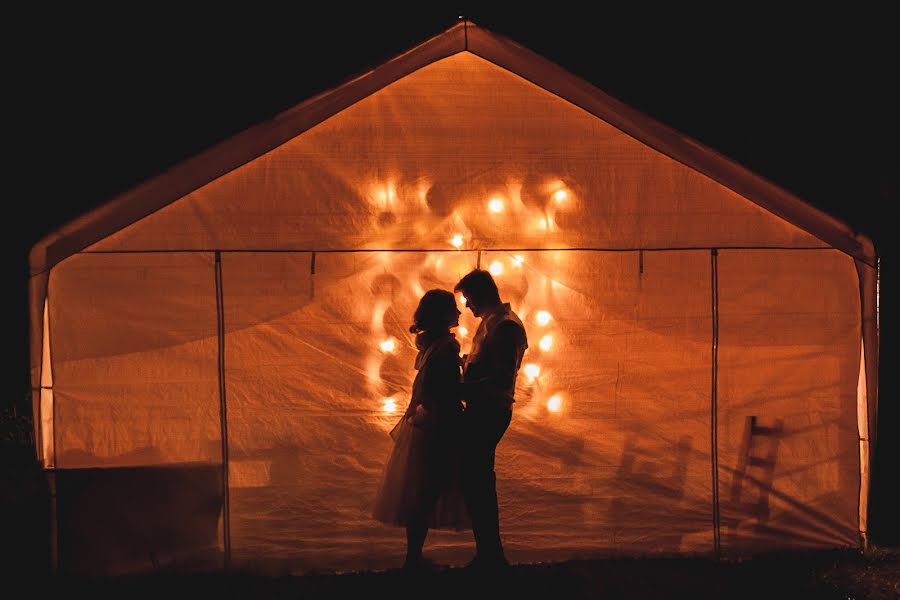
387, 196
546, 342
554, 404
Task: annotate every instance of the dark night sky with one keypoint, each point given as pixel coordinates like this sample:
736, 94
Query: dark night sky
111, 99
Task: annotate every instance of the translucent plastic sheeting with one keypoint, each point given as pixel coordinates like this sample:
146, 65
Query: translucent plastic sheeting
418, 161
789, 340
608, 450
134, 349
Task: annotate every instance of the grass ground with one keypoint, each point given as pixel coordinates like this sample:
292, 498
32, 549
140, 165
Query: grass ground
874, 575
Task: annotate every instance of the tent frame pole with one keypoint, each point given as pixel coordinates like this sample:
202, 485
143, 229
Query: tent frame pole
714, 417
223, 410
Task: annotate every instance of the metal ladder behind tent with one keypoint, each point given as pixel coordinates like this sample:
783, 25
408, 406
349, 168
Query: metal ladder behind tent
756, 461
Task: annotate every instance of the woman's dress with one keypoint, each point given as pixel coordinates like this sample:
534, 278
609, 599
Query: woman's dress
421, 480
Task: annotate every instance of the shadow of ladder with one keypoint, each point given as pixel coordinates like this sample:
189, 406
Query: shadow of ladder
756, 465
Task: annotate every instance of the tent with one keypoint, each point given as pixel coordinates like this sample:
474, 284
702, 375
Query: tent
218, 354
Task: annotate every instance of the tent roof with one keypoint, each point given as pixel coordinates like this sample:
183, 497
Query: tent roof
465, 36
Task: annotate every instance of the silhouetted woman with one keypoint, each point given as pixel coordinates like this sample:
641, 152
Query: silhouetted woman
420, 486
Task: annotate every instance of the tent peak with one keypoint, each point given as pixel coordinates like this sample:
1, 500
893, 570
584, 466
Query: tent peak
462, 36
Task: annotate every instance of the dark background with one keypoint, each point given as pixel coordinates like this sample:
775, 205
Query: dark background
105, 100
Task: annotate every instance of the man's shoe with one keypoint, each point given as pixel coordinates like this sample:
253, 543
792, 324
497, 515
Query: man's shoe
494, 564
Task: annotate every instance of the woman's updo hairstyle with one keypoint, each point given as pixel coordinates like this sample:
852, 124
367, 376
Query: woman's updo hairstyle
433, 312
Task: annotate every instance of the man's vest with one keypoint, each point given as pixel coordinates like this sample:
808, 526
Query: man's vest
480, 362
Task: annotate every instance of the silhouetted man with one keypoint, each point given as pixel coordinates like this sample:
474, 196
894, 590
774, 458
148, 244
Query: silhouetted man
489, 382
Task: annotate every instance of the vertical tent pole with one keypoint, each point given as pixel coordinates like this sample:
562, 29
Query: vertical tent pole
54, 522
714, 417
55, 560
223, 412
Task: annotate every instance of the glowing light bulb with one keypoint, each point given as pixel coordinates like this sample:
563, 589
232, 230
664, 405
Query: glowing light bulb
546, 342
389, 405
560, 195
554, 404
496, 268
462, 299
518, 260
495, 205
457, 240
542, 317
388, 345
463, 332
532, 371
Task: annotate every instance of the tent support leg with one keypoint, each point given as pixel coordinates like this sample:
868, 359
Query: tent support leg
223, 412
54, 522
714, 450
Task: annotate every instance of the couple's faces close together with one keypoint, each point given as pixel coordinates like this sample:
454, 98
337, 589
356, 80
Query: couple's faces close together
454, 317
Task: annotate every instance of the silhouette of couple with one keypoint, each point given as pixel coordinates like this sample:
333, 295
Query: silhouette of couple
440, 473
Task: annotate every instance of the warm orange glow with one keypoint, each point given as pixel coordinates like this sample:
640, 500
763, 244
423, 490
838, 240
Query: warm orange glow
384, 195
546, 342
331, 240
495, 205
554, 404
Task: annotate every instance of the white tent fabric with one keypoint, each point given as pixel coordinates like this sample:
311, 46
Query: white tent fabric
700, 388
